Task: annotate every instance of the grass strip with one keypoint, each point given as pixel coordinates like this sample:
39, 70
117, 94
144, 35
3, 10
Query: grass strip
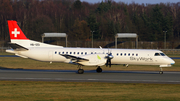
86, 91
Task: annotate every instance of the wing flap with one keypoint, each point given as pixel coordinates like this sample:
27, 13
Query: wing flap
77, 59
17, 47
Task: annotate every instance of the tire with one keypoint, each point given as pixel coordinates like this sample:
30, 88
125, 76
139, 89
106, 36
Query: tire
99, 70
80, 71
161, 72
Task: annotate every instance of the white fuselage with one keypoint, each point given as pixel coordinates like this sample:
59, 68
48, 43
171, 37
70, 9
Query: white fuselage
120, 56
26, 48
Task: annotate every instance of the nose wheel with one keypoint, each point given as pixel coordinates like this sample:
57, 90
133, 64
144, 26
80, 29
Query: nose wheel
161, 72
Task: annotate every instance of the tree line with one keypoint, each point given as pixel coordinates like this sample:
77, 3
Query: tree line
80, 19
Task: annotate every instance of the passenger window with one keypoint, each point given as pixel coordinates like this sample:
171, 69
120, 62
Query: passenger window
91, 52
133, 54
124, 54
121, 54
117, 54
136, 54
81, 52
59, 52
70, 52
74, 52
62, 52
95, 53
55, 52
129, 54
85, 53
77, 52
156, 54
66, 52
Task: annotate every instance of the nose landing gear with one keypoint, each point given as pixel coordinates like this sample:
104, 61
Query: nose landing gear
161, 72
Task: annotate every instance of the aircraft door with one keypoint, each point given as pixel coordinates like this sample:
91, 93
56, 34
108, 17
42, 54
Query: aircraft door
50, 56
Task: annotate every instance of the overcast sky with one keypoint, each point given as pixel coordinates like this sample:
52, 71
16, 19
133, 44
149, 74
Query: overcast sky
136, 1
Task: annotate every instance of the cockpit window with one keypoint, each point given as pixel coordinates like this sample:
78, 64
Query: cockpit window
159, 54
162, 54
156, 54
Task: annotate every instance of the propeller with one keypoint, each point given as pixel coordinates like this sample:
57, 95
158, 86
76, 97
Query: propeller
109, 57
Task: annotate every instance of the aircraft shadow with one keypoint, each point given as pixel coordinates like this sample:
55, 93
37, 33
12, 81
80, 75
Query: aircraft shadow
75, 71
4, 68
134, 72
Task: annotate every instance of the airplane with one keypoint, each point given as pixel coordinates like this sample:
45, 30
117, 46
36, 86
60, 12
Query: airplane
26, 48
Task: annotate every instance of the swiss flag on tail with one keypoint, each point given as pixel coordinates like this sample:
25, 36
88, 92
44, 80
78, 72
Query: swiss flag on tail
15, 32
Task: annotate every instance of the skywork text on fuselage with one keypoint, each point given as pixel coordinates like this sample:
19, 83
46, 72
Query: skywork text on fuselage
141, 59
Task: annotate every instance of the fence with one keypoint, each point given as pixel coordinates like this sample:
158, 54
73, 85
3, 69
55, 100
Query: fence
171, 51
122, 44
111, 44
170, 46
166, 51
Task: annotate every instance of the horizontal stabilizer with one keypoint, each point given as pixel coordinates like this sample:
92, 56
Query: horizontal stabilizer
17, 47
78, 59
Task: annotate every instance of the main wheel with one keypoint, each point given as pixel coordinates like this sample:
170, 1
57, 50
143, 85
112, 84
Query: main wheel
99, 70
80, 71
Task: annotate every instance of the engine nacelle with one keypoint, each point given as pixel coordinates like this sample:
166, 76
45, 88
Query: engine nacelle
94, 60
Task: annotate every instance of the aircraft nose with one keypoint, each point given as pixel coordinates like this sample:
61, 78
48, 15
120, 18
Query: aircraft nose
169, 60
172, 62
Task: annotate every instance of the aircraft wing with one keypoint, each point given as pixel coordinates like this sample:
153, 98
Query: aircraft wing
17, 47
78, 59
87, 60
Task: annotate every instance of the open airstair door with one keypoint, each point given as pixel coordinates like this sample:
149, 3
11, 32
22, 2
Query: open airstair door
50, 56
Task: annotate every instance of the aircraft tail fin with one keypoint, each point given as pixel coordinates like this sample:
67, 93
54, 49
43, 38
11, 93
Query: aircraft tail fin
19, 41
15, 32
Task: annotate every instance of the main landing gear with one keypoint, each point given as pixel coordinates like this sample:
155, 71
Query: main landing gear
81, 71
99, 69
161, 72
